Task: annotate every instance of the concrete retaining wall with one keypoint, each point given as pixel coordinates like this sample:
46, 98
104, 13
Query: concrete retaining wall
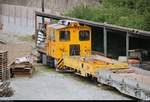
18, 15
19, 19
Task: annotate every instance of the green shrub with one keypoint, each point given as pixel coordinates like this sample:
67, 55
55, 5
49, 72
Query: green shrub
128, 13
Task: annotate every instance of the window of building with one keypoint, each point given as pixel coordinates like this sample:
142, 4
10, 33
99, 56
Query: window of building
84, 35
64, 35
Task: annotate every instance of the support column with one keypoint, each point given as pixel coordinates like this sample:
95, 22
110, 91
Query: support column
105, 41
35, 21
127, 44
42, 4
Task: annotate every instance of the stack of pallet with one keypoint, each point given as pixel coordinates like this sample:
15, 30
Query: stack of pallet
22, 69
4, 71
5, 90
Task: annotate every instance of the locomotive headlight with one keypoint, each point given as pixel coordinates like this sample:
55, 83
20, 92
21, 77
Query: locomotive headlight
63, 49
86, 49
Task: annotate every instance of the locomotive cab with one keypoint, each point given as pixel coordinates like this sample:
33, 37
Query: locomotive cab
68, 38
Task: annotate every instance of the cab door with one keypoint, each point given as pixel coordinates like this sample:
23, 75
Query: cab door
74, 50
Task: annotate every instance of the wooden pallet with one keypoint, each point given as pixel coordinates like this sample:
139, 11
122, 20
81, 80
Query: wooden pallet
5, 90
22, 69
4, 71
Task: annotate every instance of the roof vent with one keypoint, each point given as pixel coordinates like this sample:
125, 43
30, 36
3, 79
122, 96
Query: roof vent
66, 22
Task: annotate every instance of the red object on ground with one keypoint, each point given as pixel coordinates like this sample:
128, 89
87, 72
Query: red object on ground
133, 61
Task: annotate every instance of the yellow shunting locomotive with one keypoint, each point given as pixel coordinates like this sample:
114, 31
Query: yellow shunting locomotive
68, 38
66, 46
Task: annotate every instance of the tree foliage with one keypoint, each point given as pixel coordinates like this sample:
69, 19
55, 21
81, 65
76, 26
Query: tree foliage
128, 13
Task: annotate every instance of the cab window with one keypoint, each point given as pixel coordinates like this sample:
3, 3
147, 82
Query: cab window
52, 35
64, 36
84, 35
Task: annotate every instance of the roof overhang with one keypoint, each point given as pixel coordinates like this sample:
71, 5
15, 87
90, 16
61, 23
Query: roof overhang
96, 24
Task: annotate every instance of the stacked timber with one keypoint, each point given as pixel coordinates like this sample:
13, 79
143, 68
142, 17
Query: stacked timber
5, 90
4, 71
21, 67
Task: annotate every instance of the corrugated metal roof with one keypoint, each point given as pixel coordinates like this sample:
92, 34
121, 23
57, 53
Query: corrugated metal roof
96, 24
57, 26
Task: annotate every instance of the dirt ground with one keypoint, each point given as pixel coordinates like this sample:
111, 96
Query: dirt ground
17, 46
16, 50
46, 83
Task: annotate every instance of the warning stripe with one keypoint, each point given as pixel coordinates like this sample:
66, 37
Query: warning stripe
59, 61
60, 64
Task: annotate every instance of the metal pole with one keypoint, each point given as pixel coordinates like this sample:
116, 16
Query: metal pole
36, 35
42, 4
127, 44
105, 41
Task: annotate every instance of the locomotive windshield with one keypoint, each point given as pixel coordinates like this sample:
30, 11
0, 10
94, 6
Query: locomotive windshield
64, 36
84, 35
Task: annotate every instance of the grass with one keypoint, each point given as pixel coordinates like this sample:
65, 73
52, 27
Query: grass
24, 37
27, 38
